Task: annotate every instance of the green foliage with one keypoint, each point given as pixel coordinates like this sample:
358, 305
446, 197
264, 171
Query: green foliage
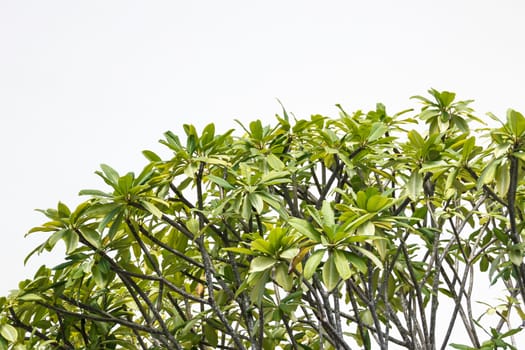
313, 233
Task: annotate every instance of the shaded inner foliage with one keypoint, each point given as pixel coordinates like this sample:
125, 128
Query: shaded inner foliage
314, 233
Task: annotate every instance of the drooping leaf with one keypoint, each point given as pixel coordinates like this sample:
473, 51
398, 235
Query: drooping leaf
516, 255
283, 278
70, 238
330, 274
342, 264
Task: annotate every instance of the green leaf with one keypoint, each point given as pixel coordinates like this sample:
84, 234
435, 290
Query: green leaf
328, 214
305, 228
502, 177
262, 246
94, 193
261, 263
342, 264
312, 263
361, 199
63, 210
210, 335
111, 211
8, 332
468, 147
445, 97
378, 129
4, 345
256, 130
275, 178
483, 263
516, 255
91, 236
110, 174
511, 332
256, 202
416, 139
370, 256
239, 250
189, 325
376, 203
71, 240
330, 275
520, 312
451, 178
151, 208
289, 253
116, 224
366, 317
257, 292
246, 210
355, 222
274, 162
435, 166
488, 174
461, 347
283, 278
208, 134
516, 122
151, 156
220, 181
366, 229
100, 275
30, 297
357, 262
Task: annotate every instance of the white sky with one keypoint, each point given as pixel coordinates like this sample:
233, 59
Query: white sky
90, 82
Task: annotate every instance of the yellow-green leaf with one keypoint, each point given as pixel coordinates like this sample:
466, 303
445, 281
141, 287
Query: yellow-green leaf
274, 162
152, 209
9, 332
261, 263
366, 229
414, 185
30, 297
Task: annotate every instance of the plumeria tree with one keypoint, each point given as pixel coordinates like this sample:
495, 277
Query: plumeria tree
319, 233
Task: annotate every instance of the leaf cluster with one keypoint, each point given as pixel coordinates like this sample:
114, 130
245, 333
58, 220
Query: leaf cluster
318, 233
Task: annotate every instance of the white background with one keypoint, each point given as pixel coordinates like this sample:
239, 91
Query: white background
90, 82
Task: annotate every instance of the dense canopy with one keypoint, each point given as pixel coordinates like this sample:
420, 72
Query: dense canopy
318, 233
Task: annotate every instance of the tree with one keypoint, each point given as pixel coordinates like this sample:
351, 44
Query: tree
311, 233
